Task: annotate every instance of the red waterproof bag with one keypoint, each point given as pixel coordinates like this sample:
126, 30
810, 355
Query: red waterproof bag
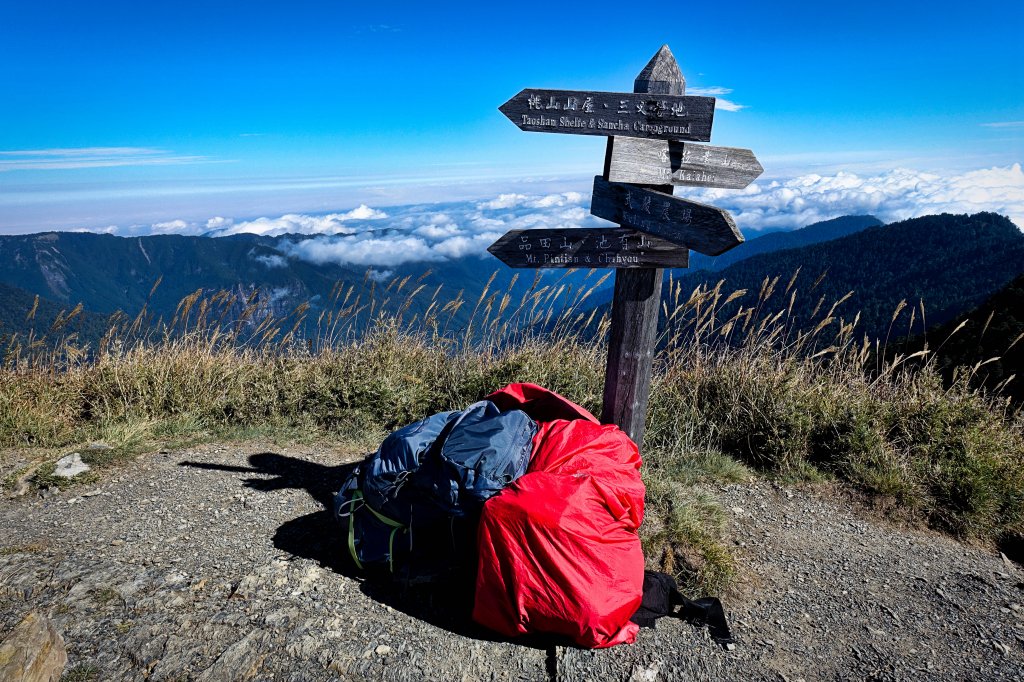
558, 548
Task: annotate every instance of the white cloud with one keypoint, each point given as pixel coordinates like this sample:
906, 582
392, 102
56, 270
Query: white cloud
351, 250
727, 105
460, 247
294, 223
439, 231
380, 276
272, 260
423, 233
361, 212
893, 195
172, 227
717, 91
507, 201
502, 201
1004, 124
89, 157
219, 223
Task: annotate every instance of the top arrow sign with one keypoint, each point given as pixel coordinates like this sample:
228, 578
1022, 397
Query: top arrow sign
626, 114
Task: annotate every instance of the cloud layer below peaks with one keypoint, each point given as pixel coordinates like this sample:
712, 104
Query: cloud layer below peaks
393, 236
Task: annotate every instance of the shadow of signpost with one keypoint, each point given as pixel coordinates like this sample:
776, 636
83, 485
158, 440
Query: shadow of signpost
319, 537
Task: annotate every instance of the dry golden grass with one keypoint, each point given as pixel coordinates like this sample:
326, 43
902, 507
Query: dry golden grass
738, 386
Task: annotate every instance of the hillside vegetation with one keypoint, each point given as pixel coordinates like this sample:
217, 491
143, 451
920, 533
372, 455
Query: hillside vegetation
949, 458
106, 273
985, 344
951, 262
815, 233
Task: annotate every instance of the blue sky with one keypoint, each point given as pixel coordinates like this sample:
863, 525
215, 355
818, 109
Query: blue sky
121, 114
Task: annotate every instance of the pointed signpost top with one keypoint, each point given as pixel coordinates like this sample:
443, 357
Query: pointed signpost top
661, 76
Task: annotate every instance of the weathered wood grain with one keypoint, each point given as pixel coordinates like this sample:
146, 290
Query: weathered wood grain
600, 247
649, 162
637, 300
631, 341
660, 116
661, 75
697, 226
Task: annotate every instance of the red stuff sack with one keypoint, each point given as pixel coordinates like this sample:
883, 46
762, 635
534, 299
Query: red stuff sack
558, 549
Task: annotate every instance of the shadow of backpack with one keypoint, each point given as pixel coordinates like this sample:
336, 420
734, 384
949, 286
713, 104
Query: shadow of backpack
410, 509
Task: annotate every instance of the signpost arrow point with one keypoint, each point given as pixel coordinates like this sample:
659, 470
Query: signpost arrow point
707, 229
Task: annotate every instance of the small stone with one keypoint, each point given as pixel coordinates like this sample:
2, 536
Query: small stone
70, 466
117, 543
730, 646
1001, 648
382, 650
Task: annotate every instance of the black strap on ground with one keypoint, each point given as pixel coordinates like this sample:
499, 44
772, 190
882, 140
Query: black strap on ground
661, 597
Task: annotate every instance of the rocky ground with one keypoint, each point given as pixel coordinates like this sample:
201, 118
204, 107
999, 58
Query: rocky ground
221, 563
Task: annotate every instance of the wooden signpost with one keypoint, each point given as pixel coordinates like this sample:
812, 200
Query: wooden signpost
665, 162
664, 117
597, 247
700, 227
650, 133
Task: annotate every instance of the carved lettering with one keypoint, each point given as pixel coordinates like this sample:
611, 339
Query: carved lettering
539, 121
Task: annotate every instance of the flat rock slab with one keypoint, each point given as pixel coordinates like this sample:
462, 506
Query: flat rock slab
70, 466
222, 563
32, 652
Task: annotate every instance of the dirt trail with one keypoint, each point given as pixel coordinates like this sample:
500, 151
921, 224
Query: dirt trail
221, 563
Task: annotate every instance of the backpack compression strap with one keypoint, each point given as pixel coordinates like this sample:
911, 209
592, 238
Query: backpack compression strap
661, 596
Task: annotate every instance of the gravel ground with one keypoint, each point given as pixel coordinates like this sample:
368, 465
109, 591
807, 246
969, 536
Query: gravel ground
221, 563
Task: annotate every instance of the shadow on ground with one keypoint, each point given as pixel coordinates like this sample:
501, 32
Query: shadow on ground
319, 537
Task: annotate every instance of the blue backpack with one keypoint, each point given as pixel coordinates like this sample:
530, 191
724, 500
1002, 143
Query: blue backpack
411, 507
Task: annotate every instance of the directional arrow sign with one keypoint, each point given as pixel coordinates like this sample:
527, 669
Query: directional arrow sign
662, 162
664, 117
587, 248
700, 227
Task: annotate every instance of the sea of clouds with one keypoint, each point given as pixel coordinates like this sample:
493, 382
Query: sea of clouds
391, 236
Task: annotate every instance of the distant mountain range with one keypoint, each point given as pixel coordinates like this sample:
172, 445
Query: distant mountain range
824, 231
951, 262
107, 273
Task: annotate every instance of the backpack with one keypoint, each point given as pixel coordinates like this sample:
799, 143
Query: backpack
410, 509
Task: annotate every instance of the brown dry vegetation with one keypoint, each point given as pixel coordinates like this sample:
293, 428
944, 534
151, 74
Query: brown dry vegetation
739, 387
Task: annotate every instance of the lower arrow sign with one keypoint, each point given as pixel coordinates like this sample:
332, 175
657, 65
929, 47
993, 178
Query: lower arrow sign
600, 247
700, 227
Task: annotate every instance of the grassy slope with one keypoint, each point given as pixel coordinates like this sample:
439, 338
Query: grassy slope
948, 459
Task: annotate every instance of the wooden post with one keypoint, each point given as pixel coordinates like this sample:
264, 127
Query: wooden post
637, 301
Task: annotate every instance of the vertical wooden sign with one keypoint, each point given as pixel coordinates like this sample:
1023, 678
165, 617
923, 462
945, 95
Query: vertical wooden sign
646, 155
637, 301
